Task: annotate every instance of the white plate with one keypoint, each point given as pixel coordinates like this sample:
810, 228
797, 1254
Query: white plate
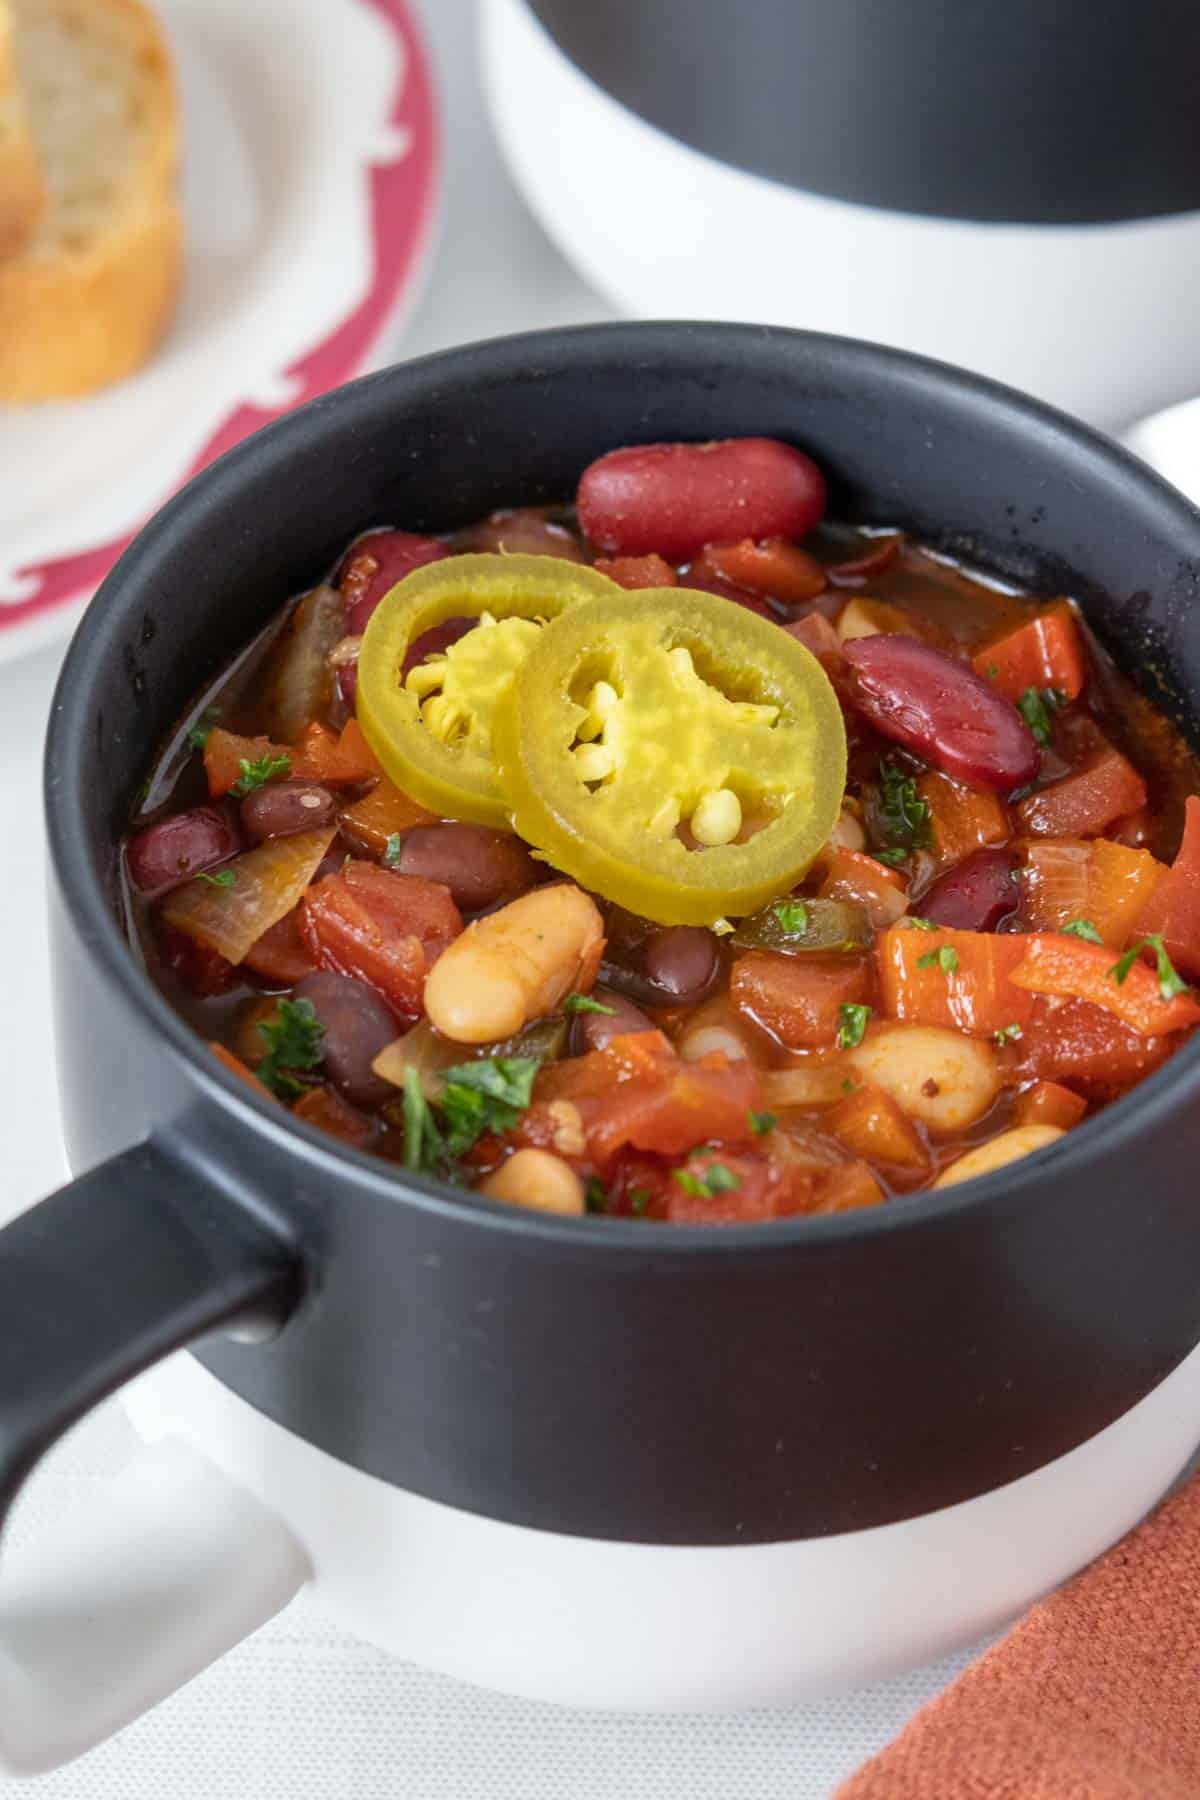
311, 174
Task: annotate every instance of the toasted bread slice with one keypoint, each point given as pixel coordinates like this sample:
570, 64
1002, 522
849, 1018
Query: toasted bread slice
22, 195
89, 295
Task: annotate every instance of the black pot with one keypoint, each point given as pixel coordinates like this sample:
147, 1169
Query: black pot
604, 1379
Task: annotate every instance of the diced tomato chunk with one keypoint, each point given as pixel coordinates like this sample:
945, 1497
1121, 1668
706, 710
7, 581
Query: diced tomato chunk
281, 955
1072, 969
385, 929
960, 979
1046, 652
383, 813
1173, 908
638, 1093
771, 566
799, 998
1085, 803
1076, 1042
637, 571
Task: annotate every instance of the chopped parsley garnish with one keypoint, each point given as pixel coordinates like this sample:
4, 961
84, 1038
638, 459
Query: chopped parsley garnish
852, 1024
595, 1195
639, 1200
917, 924
904, 815
1035, 707
1170, 983
293, 1039
761, 1122
225, 879
488, 1095
1007, 1034
847, 1086
1082, 928
945, 958
583, 1003
256, 774
793, 917
892, 857
393, 850
716, 1179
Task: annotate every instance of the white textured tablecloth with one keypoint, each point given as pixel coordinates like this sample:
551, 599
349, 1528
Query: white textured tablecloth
301, 1712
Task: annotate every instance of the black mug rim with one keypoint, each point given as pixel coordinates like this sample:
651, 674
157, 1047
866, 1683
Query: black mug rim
1084, 1149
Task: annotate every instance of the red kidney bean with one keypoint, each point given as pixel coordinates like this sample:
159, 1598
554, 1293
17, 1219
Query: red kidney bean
675, 498
358, 1025
526, 531
941, 710
681, 962
974, 895
376, 563
175, 849
283, 808
591, 1031
481, 867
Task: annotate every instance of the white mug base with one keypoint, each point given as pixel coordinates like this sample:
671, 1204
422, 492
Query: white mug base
639, 1627
1097, 319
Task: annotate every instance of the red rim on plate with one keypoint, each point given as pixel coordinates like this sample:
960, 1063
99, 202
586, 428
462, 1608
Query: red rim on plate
403, 195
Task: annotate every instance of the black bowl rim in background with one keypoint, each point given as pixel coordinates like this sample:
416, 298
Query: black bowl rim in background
523, 356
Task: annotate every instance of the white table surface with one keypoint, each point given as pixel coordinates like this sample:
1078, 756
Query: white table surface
301, 1712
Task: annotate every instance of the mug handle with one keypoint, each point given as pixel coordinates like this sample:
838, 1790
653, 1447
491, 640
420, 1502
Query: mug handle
136, 1259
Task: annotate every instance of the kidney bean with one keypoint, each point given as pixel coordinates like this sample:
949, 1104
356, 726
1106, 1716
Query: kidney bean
358, 1025
675, 498
941, 710
591, 1031
282, 808
174, 850
974, 895
526, 531
681, 962
201, 971
376, 563
481, 867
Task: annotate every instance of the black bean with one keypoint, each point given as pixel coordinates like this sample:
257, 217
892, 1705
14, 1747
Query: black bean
358, 1025
481, 867
282, 808
592, 1030
681, 962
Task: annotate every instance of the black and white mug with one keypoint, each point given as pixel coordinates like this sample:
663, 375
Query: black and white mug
604, 1462
1015, 187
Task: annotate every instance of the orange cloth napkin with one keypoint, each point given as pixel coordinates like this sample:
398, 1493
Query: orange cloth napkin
1094, 1696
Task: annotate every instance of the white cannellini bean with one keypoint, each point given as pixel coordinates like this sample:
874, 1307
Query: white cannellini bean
538, 1180
514, 965
1008, 1147
939, 1077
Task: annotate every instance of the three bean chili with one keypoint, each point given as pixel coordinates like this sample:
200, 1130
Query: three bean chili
844, 872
